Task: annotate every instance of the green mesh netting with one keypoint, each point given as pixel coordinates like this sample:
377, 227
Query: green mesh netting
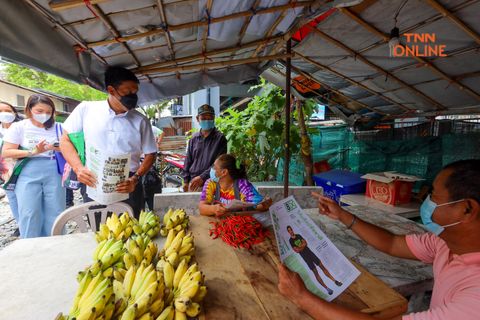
421, 156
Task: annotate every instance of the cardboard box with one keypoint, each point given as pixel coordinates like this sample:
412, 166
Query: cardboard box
390, 187
338, 182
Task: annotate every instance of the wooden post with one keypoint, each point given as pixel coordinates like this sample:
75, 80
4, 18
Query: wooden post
287, 120
306, 144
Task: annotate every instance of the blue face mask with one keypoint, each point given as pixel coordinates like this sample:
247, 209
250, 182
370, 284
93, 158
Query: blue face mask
207, 124
213, 175
426, 212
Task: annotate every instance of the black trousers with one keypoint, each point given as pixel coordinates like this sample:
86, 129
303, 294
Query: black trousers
136, 199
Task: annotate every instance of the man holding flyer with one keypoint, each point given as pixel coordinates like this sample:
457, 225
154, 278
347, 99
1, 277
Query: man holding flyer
116, 135
451, 214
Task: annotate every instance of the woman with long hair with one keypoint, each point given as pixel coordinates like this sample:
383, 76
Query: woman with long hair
39, 191
8, 115
228, 182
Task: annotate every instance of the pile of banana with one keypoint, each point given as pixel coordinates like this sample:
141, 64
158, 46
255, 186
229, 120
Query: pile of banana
140, 295
174, 219
94, 299
184, 286
148, 223
116, 228
131, 280
137, 249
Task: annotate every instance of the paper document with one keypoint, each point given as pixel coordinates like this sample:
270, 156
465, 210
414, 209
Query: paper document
236, 205
305, 249
109, 170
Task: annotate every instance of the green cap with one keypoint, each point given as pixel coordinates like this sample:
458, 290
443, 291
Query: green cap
205, 109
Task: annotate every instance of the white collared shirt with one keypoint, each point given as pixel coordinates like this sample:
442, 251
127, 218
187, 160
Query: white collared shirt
104, 130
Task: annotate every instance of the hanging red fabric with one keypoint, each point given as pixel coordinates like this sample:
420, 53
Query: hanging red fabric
304, 31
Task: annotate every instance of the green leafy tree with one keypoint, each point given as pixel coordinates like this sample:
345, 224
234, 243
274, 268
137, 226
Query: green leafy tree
34, 79
256, 135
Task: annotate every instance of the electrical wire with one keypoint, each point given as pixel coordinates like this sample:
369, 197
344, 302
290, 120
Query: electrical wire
398, 11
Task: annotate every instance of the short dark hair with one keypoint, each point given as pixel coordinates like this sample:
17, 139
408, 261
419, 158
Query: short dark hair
114, 76
288, 227
464, 180
36, 99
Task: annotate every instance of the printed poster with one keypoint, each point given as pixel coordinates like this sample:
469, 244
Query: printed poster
305, 249
109, 170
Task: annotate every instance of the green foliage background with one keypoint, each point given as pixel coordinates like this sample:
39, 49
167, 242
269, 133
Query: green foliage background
34, 79
256, 135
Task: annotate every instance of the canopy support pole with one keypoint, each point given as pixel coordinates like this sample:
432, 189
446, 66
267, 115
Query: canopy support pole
287, 120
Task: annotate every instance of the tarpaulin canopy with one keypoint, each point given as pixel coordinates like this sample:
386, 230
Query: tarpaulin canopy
175, 47
347, 52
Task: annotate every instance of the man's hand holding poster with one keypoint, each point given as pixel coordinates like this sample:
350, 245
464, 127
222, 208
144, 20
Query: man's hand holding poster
305, 249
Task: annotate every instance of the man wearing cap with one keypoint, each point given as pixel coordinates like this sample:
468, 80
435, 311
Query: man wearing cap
204, 147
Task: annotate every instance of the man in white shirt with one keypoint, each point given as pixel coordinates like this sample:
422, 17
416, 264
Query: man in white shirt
114, 127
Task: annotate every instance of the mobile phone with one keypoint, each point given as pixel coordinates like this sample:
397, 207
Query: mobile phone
56, 144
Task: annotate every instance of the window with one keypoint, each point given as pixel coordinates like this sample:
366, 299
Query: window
20, 101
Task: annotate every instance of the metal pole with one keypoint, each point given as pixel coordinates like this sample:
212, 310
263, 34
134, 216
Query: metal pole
287, 121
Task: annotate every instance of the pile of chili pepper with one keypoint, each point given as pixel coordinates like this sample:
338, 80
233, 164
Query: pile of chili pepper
239, 231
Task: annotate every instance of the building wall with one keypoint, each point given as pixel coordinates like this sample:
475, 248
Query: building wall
12, 94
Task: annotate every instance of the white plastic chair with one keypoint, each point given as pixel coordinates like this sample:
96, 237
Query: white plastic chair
88, 216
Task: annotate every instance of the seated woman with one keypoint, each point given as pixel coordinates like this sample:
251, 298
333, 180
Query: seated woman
227, 183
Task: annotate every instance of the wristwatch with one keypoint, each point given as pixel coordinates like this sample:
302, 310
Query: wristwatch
137, 176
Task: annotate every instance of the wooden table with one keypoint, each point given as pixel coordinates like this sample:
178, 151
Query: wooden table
243, 285
38, 280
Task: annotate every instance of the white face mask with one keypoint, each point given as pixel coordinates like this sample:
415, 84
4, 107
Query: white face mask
41, 117
7, 117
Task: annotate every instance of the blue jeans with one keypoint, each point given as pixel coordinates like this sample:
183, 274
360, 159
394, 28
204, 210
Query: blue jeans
12, 201
40, 196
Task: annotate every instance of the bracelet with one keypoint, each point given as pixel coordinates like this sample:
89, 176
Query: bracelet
353, 222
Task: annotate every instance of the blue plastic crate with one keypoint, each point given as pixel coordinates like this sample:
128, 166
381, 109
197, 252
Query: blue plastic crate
338, 182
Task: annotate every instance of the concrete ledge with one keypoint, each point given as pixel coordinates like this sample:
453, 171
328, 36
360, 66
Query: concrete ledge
189, 200
301, 193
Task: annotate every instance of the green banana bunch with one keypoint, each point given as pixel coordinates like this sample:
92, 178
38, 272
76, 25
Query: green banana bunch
148, 223
94, 298
139, 248
141, 293
118, 228
107, 256
174, 219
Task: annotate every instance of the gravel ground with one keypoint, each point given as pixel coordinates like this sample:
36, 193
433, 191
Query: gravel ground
8, 225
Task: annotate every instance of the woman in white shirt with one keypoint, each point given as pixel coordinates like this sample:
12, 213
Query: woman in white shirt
39, 191
9, 115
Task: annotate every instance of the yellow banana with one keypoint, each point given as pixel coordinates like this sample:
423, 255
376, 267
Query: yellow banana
193, 310
180, 315
191, 270
156, 307
171, 235
181, 304
129, 260
129, 313
190, 290
201, 293
185, 249
167, 314
179, 272
168, 275
173, 259
128, 281
146, 316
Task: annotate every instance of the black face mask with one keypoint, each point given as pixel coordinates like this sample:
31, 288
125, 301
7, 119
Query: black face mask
129, 101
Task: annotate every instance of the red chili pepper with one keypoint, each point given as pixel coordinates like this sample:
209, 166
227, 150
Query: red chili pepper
239, 231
